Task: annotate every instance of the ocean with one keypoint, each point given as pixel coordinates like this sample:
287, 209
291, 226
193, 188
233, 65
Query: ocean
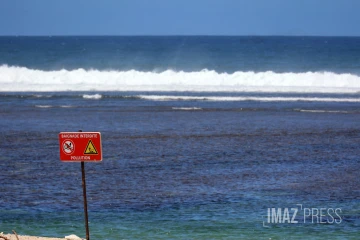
204, 137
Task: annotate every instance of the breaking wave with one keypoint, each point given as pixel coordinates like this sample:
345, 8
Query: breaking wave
15, 79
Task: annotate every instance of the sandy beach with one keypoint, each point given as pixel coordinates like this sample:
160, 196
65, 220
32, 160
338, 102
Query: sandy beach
24, 237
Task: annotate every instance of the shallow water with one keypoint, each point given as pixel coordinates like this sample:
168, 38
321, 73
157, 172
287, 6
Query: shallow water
180, 169
202, 136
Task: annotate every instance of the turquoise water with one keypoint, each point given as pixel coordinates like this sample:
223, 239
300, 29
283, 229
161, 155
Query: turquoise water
181, 174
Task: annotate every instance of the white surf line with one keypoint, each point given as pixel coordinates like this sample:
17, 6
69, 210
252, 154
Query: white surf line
20, 79
261, 99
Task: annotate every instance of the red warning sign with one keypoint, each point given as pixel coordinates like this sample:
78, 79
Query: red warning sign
80, 146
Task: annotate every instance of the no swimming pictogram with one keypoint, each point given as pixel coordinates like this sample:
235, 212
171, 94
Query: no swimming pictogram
68, 146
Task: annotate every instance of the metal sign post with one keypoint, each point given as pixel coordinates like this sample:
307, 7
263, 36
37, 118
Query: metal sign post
83, 183
85, 201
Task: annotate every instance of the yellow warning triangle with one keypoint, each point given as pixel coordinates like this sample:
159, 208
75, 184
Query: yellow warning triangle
90, 148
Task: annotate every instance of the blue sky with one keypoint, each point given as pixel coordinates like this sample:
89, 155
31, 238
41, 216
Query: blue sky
180, 17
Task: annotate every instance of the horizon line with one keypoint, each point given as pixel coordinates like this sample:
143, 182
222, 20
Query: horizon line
173, 35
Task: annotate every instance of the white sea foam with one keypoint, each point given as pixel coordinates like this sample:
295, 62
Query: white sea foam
43, 106
41, 96
324, 111
95, 96
187, 108
246, 98
24, 79
51, 106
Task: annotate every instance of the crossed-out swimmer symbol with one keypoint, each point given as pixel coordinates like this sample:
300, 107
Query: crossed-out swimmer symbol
68, 147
